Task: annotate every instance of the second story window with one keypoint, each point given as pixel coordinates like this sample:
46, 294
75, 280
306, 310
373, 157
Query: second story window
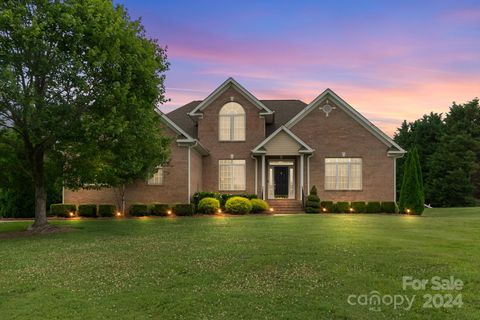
231, 122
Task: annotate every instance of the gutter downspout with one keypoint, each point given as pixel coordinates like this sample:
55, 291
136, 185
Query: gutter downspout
189, 173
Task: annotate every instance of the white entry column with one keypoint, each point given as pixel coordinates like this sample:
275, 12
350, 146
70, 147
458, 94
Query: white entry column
263, 177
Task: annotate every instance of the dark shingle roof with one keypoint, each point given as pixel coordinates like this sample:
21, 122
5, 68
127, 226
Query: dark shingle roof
284, 110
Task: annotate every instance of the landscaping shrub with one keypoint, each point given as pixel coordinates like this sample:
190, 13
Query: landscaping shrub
359, 206
259, 205
184, 209
225, 196
412, 193
373, 207
159, 209
313, 201
238, 205
198, 196
87, 210
208, 205
62, 209
389, 207
138, 210
328, 206
342, 207
106, 210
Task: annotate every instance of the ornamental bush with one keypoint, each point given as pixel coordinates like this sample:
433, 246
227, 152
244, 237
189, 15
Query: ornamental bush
374, 207
62, 209
159, 209
106, 210
312, 205
327, 206
138, 210
198, 196
87, 210
238, 205
412, 196
259, 205
184, 209
389, 207
359, 206
208, 205
342, 207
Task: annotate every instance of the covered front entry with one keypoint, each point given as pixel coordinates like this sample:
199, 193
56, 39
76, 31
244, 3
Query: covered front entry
281, 179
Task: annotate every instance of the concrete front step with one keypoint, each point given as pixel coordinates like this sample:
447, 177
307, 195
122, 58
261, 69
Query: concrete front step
285, 205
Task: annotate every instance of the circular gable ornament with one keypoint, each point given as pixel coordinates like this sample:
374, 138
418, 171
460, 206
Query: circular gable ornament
327, 108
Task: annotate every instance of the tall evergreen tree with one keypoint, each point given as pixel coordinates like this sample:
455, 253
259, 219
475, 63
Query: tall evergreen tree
411, 195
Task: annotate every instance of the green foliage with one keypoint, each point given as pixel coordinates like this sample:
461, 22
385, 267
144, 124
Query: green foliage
225, 196
91, 81
138, 210
412, 195
389, 207
374, 207
312, 205
208, 205
328, 206
106, 210
359, 206
259, 205
87, 210
184, 209
238, 205
205, 194
159, 209
342, 207
62, 210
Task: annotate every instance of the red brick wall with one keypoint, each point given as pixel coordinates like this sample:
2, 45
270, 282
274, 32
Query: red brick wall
208, 135
196, 170
174, 188
337, 133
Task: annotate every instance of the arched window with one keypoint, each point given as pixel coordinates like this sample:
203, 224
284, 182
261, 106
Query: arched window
231, 122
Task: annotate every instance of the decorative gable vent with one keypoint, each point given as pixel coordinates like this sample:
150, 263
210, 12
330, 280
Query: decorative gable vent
327, 108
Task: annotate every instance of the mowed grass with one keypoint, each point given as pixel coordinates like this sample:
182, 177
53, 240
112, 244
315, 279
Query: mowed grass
251, 267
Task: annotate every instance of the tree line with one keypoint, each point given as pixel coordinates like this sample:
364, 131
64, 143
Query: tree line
448, 148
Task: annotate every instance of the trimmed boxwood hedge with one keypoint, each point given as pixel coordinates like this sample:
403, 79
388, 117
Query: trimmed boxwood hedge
184, 209
389, 207
342, 207
62, 209
138, 210
238, 205
359, 206
259, 205
208, 205
373, 207
328, 205
87, 210
106, 210
159, 209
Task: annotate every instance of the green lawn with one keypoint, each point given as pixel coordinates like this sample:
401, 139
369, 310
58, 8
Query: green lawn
251, 267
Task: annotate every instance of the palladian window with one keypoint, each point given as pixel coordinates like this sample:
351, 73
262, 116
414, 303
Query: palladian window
231, 122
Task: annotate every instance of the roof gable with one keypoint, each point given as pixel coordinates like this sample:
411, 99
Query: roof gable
230, 82
328, 93
304, 148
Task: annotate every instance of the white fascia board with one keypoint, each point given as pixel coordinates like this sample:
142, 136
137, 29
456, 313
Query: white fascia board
379, 134
224, 86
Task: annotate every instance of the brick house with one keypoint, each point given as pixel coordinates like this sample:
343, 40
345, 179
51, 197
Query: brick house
278, 149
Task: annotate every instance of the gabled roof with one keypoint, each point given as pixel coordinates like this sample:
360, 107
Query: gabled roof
379, 134
230, 82
305, 148
185, 138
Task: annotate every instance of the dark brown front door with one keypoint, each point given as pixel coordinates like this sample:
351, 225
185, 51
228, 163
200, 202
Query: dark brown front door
280, 175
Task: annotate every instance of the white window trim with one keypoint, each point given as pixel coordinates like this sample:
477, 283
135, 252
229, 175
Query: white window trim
337, 182
231, 188
232, 118
152, 181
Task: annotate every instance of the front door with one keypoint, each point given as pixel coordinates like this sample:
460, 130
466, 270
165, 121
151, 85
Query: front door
281, 181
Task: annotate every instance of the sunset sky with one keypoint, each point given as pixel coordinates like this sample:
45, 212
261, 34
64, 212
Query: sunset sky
391, 60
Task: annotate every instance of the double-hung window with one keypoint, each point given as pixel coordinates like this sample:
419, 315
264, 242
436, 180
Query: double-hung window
343, 174
231, 122
231, 175
157, 178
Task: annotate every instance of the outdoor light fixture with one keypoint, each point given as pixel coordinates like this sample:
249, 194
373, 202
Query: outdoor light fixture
70, 214
408, 210
324, 209
219, 211
351, 209
118, 214
169, 212
271, 209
